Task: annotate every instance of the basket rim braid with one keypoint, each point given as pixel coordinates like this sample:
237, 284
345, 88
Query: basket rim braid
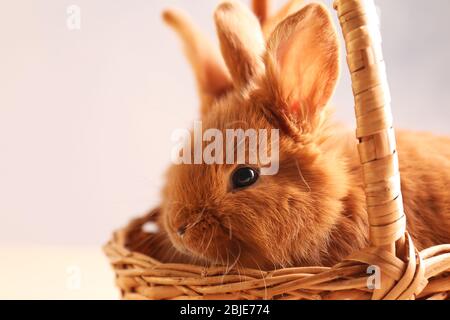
405, 273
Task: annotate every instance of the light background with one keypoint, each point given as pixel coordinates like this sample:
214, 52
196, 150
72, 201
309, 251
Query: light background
86, 116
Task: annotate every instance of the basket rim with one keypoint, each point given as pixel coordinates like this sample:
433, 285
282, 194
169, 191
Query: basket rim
347, 277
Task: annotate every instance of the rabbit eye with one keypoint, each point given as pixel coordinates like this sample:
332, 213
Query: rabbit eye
244, 177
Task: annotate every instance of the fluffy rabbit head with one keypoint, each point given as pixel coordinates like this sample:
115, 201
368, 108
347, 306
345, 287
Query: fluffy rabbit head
262, 79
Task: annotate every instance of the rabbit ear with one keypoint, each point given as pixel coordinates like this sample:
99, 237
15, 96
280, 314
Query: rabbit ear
261, 8
241, 41
289, 8
302, 61
213, 79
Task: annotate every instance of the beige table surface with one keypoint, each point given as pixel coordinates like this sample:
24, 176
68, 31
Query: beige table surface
53, 272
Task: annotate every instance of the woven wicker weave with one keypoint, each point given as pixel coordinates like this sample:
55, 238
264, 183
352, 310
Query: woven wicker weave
405, 273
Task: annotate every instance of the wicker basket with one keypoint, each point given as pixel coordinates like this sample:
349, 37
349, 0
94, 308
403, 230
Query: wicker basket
405, 273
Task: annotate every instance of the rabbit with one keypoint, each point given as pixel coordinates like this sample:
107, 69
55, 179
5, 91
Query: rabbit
280, 73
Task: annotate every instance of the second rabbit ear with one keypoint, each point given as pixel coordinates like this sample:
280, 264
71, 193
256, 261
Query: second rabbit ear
241, 41
213, 79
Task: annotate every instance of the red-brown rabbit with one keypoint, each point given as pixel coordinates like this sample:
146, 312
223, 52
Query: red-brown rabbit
313, 211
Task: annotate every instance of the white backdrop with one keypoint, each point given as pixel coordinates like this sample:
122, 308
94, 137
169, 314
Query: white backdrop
86, 116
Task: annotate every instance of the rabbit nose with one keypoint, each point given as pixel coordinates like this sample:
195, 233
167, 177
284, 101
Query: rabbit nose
181, 230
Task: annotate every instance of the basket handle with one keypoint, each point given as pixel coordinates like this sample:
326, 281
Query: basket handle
375, 132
